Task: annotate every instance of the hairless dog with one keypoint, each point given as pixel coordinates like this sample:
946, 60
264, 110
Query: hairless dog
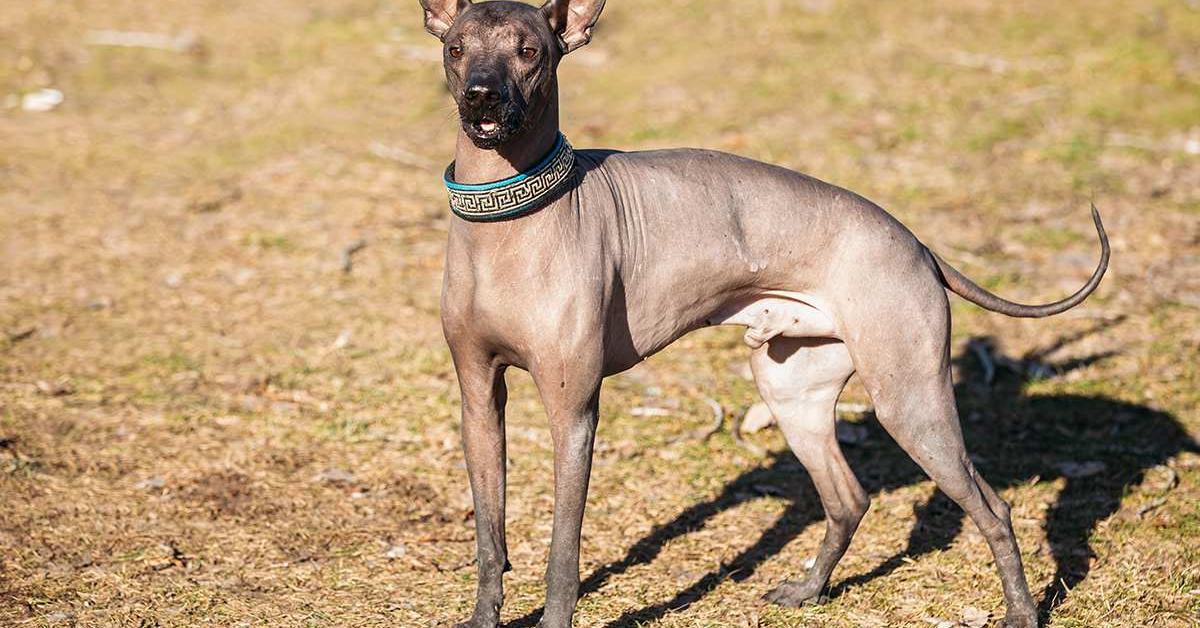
577, 265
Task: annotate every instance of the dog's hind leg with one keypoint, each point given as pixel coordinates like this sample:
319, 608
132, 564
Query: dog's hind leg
800, 379
924, 421
903, 360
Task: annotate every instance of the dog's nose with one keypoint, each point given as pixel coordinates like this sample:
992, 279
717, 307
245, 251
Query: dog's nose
481, 94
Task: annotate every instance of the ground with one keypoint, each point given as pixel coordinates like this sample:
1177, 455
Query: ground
206, 419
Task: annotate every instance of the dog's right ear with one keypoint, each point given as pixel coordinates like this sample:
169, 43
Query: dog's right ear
440, 14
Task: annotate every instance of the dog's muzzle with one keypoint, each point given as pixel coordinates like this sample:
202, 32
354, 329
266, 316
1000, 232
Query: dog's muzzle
488, 115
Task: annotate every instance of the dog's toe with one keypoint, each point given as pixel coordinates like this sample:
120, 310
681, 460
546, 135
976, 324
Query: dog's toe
794, 595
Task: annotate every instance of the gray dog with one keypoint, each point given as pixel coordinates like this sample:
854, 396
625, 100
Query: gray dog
578, 265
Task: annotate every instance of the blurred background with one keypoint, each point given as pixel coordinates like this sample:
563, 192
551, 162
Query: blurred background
225, 399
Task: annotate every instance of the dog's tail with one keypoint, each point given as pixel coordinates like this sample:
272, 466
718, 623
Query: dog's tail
971, 291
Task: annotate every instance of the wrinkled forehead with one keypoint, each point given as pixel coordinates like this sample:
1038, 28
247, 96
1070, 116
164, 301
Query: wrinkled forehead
498, 22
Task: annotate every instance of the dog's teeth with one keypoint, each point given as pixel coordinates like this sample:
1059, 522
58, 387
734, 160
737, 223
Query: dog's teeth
487, 126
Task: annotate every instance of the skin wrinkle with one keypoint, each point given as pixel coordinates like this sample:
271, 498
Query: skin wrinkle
636, 252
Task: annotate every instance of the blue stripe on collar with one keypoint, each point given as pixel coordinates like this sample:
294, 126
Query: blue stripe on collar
517, 178
516, 195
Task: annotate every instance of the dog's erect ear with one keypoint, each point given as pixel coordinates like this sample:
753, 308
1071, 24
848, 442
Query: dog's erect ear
572, 20
440, 14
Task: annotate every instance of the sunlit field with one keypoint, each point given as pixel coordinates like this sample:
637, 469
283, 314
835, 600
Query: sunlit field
225, 398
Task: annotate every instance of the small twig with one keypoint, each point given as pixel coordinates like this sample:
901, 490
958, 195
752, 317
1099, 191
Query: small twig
705, 433
985, 360
1150, 506
17, 335
649, 411
741, 440
455, 567
445, 539
348, 254
1172, 482
718, 419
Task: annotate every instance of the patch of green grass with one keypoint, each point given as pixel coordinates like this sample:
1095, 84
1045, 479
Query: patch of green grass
268, 241
1081, 150
1053, 238
167, 363
1003, 130
346, 428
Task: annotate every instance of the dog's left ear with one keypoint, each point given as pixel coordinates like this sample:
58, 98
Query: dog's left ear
572, 20
440, 14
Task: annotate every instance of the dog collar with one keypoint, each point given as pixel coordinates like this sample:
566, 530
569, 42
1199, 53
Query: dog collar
516, 195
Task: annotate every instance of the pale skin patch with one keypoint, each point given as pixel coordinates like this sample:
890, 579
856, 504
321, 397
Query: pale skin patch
777, 313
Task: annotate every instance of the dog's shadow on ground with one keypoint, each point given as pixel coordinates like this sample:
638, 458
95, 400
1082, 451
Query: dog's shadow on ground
1098, 445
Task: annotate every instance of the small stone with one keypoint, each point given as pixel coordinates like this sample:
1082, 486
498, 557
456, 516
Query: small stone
152, 483
668, 454
45, 99
395, 551
335, 476
1076, 470
57, 388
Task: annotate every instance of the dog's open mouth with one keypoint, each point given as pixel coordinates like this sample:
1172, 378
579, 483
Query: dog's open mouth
486, 128
491, 128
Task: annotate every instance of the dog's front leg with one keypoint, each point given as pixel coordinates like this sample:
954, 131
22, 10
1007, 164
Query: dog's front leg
483, 399
572, 408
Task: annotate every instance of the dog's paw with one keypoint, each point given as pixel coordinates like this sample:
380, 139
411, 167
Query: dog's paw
795, 595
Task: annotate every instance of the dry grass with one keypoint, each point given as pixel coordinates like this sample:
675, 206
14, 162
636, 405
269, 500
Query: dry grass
203, 420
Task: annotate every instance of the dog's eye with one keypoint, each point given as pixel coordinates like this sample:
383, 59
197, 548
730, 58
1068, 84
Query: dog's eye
528, 53
456, 51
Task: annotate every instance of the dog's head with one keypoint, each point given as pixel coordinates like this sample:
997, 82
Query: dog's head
501, 58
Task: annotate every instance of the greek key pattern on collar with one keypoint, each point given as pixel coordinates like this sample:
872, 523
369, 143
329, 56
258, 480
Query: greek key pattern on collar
514, 196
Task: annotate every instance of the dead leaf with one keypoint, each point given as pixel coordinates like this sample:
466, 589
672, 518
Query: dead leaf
973, 617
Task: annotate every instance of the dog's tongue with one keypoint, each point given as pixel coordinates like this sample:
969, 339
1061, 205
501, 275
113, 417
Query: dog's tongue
487, 126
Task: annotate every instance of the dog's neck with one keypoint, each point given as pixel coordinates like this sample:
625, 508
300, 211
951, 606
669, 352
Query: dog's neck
483, 165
